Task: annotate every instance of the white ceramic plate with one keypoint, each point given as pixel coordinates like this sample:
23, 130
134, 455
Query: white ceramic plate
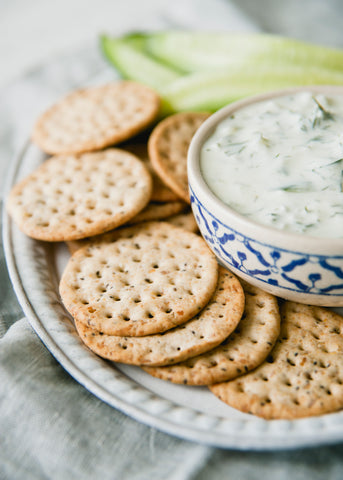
191, 413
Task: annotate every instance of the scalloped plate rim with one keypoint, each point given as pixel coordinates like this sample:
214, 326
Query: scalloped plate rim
262, 439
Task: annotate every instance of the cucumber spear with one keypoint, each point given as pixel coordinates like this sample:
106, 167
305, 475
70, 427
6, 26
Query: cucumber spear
133, 64
211, 89
196, 51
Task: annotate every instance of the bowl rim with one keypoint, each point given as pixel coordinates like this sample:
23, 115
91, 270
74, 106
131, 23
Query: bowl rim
197, 182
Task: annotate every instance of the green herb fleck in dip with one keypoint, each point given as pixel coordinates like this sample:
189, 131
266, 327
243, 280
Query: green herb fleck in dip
280, 163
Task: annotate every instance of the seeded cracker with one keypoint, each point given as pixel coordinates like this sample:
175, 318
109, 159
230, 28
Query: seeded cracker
160, 191
246, 348
150, 281
185, 220
76, 196
168, 147
96, 117
158, 211
303, 376
203, 332
153, 211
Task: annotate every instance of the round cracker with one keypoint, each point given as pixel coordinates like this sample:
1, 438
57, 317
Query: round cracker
158, 211
149, 213
168, 147
160, 191
76, 196
150, 281
94, 118
184, 220
203, 332
303, 375
242, 351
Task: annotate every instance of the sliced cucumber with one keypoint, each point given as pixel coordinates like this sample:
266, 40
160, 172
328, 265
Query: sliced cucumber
196, 51
258, 63
211, 91
134, 64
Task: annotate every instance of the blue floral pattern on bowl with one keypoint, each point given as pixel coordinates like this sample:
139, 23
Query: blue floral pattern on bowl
290, 270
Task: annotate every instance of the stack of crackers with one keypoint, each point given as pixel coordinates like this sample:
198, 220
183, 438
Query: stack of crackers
142, 285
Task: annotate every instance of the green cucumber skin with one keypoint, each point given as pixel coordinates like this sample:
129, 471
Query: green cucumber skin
212, 89
194, 51
132, 63
209, 92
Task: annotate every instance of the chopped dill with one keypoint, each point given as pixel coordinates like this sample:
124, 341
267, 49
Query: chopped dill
274, 217
234, 148
297, 188
328, 164
317, 138
324, 114
265, 141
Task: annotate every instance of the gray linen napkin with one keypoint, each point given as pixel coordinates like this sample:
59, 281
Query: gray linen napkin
56, 429
50, 426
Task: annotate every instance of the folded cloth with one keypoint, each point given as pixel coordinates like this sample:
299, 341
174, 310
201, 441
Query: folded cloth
53, 428
57, 429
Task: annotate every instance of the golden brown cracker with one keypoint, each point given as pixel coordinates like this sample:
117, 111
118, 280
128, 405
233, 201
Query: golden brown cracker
246, 348
160, 191
168, 146
206, 330
70, 197
97, 117
302, 376
150, 281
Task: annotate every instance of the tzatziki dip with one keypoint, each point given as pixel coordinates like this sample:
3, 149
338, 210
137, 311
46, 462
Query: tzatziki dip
279, 162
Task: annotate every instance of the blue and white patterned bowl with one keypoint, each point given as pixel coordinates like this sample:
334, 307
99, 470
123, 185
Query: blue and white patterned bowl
293, 266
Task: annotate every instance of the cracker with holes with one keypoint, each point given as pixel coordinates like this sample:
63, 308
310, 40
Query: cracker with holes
158, 211
97, 117
184, 220
168, 147
246, 348
302, 376
206, 330
153, 278
160, 192
152, 212
76, 196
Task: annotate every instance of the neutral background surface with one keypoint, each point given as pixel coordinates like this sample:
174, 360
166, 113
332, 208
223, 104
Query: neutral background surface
55, 429
32, 31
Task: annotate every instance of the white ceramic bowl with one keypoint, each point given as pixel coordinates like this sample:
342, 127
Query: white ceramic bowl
292, 266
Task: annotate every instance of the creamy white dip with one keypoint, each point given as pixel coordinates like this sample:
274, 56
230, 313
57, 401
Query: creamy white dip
280, 163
